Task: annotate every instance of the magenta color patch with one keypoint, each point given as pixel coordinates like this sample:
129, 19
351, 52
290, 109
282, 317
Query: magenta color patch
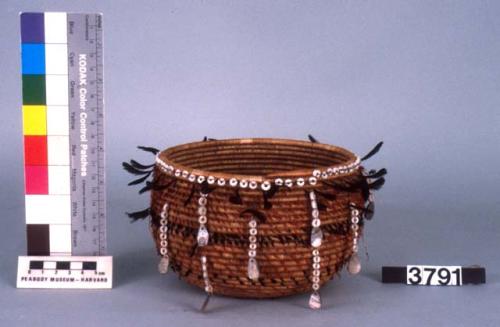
36, 179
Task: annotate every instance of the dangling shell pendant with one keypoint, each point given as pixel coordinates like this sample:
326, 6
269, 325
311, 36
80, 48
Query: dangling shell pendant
163, 265
354, 264
253, 269
315, 301
202, 237
316, 237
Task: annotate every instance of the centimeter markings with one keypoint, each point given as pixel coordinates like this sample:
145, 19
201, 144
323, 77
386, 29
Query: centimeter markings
86, 105
65, 272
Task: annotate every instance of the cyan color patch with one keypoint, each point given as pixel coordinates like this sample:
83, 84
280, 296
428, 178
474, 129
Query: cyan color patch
33, 58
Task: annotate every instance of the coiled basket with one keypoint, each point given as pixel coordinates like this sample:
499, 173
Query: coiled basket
280, 185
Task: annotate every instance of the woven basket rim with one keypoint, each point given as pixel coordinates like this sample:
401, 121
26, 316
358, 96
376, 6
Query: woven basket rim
352, 159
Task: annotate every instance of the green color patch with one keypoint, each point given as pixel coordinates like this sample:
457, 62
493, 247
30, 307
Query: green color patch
34, 89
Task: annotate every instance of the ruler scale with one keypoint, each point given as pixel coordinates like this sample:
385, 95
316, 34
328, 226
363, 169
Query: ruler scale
63, 128
86, 132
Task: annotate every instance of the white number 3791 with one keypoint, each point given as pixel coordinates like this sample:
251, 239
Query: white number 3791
434, 275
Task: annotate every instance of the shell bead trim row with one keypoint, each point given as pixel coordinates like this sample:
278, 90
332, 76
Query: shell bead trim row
253, 267
164, 261
354, 264
301, 181
316, 240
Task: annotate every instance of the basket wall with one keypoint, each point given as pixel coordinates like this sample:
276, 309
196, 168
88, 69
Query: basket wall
284, 251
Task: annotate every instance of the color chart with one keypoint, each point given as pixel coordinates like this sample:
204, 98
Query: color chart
45, 112
64, 164
63, 127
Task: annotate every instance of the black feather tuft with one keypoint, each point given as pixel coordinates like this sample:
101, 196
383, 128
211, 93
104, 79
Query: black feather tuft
268, 195
206, 188
328, 196
312, 138
373, 151
255, 213
236, 198
139, 180
149, 149
321, 206
190, 196
365, 189
363, 209
272, 191
267, 205
134, 216
194, 249
377, 184
149, 186
377, 174
133, 170
138, 165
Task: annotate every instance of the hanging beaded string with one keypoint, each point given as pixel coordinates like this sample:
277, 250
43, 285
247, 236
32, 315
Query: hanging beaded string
208, 286
202, 239
253, 267
316, 240
354, 264
206, 280
202, 236
164, 261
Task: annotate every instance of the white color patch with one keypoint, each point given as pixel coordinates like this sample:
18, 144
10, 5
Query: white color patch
57, 120
76, 265
60, 239
56, 90
58, 150
48, 209
56, 59
59, 182
56, 27
49, 265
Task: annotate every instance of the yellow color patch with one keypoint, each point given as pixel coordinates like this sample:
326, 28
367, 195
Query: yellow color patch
34, 120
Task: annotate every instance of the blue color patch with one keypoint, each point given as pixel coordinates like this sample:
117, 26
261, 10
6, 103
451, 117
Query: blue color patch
33, 58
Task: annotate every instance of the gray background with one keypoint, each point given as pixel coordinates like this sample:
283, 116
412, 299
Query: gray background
421, 75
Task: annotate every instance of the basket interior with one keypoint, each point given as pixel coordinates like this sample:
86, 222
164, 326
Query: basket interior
256, 157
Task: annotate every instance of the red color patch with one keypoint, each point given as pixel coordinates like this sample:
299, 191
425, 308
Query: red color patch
36, 179
35, 150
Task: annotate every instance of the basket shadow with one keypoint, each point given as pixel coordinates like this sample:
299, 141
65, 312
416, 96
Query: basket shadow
215, 305
193, 298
